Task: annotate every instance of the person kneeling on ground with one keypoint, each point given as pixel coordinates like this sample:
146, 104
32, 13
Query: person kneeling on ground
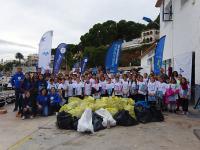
43, 103
27, 106
55, 101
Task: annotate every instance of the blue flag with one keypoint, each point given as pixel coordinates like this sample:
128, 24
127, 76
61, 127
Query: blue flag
60, 52
112, 58
84, 64
158, 58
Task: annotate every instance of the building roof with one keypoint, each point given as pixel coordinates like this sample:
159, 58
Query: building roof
152, 47
158, 3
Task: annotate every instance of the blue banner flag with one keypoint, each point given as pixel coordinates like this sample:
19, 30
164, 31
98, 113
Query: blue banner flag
147, 19
84, 64
112, 58
60, 52
158, 58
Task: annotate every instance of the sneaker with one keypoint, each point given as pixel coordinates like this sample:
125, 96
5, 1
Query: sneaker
31, 117
23, 117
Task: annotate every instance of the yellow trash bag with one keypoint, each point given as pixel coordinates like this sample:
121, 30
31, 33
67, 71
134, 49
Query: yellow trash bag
74, 99
89, 99
130, 101
76, 112
64, 108
112, 111
100, 104
130, 109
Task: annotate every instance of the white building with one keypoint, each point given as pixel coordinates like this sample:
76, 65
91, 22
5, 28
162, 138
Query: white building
32, 59
147, 59
150, 36
131, 44
180, 22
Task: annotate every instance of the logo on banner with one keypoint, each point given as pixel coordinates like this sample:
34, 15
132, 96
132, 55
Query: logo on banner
45, 53
63, 50
181, 70
86, 60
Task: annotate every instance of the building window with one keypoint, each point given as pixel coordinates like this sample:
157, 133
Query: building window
167, 11
151, 32
156, 32
151, 39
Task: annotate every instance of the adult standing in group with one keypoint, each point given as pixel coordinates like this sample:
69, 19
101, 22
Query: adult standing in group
163, 75
16, 82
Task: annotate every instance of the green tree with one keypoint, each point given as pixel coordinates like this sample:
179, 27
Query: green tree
1, 67
19, 56
107, 32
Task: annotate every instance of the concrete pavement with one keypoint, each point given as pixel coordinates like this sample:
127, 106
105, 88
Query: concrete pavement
41, 133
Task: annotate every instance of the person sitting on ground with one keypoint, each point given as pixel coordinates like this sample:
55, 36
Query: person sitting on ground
55, 101
43, 103
27, 106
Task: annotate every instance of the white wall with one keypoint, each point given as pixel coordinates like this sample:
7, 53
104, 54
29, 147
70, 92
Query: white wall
144, 62
183, 33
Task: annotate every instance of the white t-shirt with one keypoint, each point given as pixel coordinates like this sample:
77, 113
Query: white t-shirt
92, 81
103, 86
146, 80
78, 88
162, 87
49, 86
70, 87
133, 87
142, 88
118, 88
109, 87
113, 81
125, 87
88, 89
96, 86
152, 88
62, 86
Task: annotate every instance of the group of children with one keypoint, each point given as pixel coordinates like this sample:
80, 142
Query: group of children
45, 93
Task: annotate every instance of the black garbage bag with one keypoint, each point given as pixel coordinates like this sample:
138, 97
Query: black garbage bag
157, 115
64, 121
143, 114
97, 122
75, 123
123, 118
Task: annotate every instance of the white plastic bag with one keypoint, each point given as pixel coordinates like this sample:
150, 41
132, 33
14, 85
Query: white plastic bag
108, 120
85, 122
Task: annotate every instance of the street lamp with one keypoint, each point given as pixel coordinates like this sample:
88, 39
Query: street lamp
149, 20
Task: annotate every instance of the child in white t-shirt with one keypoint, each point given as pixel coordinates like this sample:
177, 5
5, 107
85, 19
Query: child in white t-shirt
87, 88
109, 87
152, 90
125, 87
161, 90
118, 87
79, 88
96, 88
142, 89
133, 88
102, 84
70, 88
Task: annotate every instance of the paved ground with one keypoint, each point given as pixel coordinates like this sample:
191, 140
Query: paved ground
40, 133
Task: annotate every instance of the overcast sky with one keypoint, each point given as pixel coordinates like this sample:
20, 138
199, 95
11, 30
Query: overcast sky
22, 22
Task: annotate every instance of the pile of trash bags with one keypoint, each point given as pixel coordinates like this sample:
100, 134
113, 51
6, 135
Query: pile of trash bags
91, 115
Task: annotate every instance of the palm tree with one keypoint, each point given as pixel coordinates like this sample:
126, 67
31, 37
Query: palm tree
19, 56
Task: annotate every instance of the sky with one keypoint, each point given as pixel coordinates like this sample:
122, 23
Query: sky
22, 22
